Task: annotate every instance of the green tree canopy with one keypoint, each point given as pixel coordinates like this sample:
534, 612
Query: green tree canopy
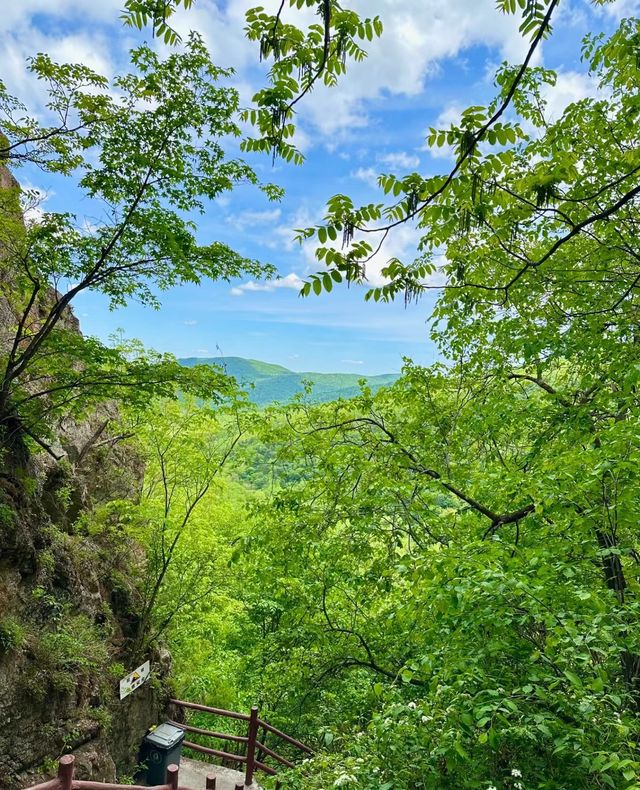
150, 147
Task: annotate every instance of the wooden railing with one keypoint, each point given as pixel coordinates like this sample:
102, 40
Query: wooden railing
250, 741
65, 780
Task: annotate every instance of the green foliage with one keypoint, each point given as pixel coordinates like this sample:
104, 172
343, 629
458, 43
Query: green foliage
48, 605
513, 184
65, 658
149, 146
461, 643
49, 766
300, 59
104, 718
185, 447
117, 670
7, 515
46, 563
12, 635
446, 592
157, 13
458, 554
435, 584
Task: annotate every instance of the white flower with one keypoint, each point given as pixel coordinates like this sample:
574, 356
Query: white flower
411, 706
425, 719
492, 787
515, 772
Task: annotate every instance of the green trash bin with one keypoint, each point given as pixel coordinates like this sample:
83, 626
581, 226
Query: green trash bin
162, 748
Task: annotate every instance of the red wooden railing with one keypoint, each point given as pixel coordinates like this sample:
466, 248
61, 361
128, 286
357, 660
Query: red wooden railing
250, 740
65, 780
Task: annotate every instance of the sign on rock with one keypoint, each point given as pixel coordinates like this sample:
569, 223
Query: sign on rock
134, 679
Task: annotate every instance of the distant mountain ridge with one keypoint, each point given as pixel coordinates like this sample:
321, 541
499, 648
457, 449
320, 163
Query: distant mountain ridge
267, 383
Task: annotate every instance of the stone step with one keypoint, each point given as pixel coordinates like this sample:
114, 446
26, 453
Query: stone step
193, 774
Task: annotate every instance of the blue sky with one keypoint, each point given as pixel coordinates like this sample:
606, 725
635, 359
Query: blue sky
435, 58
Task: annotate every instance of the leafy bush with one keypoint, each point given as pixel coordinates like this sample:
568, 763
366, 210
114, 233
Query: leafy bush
65, 658
7, 515
12, 635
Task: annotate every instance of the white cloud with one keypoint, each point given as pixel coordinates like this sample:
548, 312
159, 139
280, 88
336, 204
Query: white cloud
400, 160
249, 219
17, 13
622, 8
283, 236
93, 51
189, 323
418, 35
291, 281
353, 361
222, 27
401, 243
570, 86
367, 174
84, 40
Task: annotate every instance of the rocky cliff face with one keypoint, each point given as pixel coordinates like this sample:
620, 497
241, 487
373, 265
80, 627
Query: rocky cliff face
68, 603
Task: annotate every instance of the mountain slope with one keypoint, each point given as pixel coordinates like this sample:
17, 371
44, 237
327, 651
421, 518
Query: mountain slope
267, 383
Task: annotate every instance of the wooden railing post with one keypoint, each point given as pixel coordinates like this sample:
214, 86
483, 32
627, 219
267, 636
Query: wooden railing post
211, 782
65, 771
239, 787
172, 777
251, 746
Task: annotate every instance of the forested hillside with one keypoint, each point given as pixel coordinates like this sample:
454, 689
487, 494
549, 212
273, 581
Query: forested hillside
266, 383
432, 579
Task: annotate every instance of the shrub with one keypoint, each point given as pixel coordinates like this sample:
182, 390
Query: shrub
65, 657
12, 635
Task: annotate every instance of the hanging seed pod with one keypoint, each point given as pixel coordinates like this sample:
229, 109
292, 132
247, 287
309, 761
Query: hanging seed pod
545, 194
341, 48
464, 224
479, 215
412, 292
347, 233
474, 186
467, 143
412, 202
